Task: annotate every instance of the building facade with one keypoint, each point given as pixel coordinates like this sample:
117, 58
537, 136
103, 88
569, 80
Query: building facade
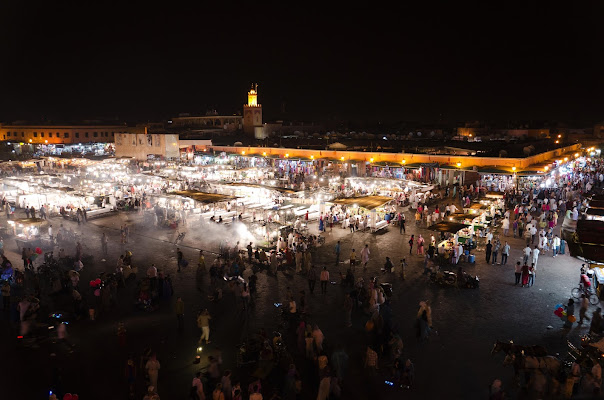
64, 134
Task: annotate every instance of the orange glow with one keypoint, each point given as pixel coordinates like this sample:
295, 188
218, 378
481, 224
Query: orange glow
243, 153
286, 155
264, 153
546, 168
30, 140
371, 160
513, 168
342, 158
312, 157
458, 164
404, 161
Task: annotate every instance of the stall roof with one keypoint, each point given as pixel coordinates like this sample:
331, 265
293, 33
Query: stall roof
203, 197
28, 221
447, 226
595, 211
462, 216
367, 202
478, 206
278, 189
494, 195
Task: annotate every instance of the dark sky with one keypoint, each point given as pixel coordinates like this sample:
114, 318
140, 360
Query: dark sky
456, 61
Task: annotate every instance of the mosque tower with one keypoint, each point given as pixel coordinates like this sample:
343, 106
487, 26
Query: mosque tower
252, 114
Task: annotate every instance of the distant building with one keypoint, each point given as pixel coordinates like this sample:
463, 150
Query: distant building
146, 145
517, 133
229, 123
252, 115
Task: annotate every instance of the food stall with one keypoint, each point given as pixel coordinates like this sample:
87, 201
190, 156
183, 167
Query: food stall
27, 232
376, 208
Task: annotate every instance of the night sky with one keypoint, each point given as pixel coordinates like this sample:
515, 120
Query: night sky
433, 62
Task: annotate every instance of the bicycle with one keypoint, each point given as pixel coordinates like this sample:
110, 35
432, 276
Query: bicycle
578, 291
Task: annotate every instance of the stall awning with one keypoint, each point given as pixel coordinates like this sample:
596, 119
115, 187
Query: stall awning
478, 206
278, 189
28, 221
447, 226
367, 202
202, 197
494, 170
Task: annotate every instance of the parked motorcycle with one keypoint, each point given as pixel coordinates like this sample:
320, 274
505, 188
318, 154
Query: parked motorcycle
443, 278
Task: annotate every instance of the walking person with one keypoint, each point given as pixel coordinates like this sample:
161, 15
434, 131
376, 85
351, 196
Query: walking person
527, 253
324, 279
536, 252
583, 309
179, 308
353, 259
203, 322
401, 222
347, 310
5, 296
338, 252
152, 366
411, 240
104, 243
312, 278
505, 252
365, 256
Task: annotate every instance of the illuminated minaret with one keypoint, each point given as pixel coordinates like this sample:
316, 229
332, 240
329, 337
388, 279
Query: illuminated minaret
252, 113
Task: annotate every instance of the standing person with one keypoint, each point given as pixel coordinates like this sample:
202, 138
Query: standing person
130, 373
570, 311
249, 252
312, 278
536, 252
347, 310
338, 252
556, 245
532, 271
583, 309
104, 243
324, 279
365, 256
505, 225
525, 275
517, 272
401, 222
505, 252
411, 240
420, 245
203, 322
152, 366
496, 248
179, 308
488, 250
